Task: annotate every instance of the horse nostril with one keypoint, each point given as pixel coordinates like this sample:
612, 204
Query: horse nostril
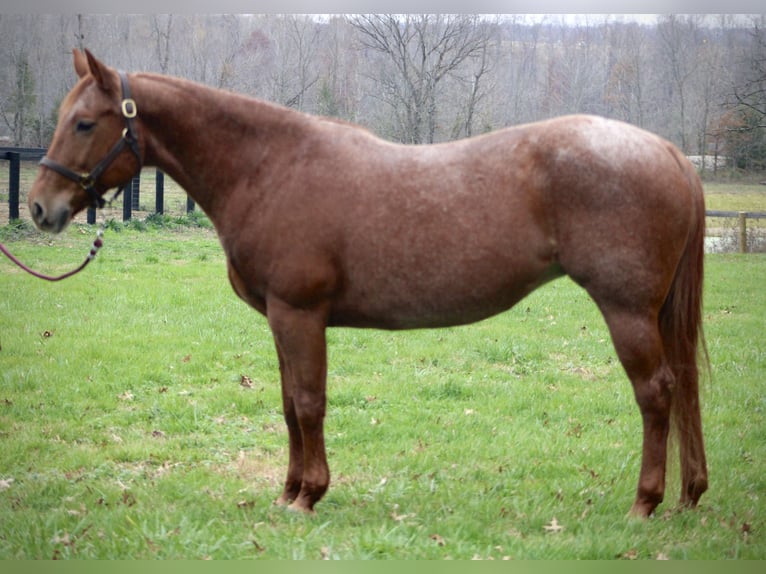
37, 212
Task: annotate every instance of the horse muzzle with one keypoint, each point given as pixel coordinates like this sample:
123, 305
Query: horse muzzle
52, 216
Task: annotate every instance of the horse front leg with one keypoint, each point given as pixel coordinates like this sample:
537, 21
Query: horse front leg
292, 486
299, 335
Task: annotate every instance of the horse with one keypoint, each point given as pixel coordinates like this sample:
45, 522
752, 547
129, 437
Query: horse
324, 224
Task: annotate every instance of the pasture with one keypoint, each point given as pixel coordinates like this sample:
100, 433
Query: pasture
140, 417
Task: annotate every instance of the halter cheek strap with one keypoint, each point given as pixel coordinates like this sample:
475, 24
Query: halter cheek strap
89, 181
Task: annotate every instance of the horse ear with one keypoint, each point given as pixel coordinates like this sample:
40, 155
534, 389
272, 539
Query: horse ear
80, 63
99, 71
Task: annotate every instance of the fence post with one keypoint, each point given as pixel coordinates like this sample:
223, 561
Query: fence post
135, 183
127, 201
742, 217
14, 179
159, 188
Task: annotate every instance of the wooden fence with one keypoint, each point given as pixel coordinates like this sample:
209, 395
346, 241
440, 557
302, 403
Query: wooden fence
742, 217
131, 195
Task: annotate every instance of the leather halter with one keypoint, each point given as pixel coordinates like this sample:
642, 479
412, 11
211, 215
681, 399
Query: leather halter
89, 181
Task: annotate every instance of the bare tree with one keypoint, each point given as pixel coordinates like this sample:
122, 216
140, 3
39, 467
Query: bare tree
421, 78
206, 47
625, 83
340, 88
474, 84
421, 50
162, 26
293, 40
751, 90
677, 47
518, 66
18, 93
745, 127
576, 73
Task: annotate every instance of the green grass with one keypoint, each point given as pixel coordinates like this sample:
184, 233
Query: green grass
735, 196
126, 431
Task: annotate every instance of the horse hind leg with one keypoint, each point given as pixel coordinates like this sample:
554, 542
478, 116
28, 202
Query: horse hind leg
639, 346
667, 397
657, 343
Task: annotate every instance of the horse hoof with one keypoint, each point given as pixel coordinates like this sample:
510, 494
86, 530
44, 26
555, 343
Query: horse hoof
282, 501
641, 511
296, 507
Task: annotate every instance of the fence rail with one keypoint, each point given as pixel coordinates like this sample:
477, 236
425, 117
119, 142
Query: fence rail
746, 214
130, 197
741, 217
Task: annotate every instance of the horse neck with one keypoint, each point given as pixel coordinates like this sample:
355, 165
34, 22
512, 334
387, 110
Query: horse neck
209, 140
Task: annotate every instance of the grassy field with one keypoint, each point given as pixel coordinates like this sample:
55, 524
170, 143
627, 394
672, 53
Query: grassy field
735, 196
140, 418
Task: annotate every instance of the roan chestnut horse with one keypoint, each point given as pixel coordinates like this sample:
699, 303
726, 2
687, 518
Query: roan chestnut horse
324, 224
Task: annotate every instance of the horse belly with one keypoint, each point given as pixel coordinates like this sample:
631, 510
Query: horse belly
438, 291
443, 256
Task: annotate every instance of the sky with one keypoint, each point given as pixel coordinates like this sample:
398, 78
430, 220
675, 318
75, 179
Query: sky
637, 7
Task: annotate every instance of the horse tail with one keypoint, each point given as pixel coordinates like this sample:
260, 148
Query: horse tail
683, 338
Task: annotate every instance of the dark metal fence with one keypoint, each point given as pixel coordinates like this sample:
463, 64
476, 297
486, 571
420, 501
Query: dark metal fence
130, 197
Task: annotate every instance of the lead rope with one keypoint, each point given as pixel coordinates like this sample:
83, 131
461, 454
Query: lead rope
97, 244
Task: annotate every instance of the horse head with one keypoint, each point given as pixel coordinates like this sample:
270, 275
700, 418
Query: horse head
91, 148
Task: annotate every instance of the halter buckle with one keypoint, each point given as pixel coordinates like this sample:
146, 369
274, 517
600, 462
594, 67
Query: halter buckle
129, 109
87, 182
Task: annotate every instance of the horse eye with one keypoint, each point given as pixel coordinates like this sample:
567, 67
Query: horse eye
84, 126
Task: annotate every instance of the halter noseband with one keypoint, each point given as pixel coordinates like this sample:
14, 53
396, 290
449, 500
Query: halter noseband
89, 181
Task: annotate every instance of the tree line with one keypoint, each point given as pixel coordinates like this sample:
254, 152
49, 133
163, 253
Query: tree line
697, 80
